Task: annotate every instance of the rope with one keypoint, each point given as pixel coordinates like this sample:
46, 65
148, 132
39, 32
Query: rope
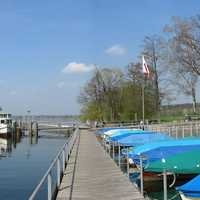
174, 196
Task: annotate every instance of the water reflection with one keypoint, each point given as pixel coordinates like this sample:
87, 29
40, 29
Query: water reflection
5, 147
23, 162
7, 142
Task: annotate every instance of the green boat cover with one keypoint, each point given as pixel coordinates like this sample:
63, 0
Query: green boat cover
182, 163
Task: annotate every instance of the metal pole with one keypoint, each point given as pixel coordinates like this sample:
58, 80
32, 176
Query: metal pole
183, 132
49, 187
119, 155
191, 130
63, 156
58, 172
66, 153
109, 148
176, 132
127, 163
143, 105
113, 148
141, 177
165, 184
105, 146
169, 130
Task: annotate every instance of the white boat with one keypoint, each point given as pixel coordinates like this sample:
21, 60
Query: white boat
184, 197
5, 123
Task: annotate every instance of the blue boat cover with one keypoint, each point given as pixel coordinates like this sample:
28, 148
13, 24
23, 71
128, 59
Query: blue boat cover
142, 138
103, 130
119, 135
191, 188
162, 153
169, 143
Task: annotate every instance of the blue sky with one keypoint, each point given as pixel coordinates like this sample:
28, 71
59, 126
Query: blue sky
48, 47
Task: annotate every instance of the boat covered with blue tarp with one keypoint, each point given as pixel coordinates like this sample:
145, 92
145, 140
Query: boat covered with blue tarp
102, 131
178, 156
191, 189
123, 134
143, 138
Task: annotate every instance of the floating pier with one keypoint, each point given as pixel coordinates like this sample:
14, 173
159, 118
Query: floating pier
91, 174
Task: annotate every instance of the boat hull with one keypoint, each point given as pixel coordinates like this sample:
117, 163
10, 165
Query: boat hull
4, 129
183, 197
153, 182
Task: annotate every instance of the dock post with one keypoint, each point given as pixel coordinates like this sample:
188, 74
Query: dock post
127, 159
119, 155
141, 177
49, 187
165, 184
14, 127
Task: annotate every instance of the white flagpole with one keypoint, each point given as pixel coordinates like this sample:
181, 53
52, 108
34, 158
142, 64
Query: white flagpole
143, 104
143, 87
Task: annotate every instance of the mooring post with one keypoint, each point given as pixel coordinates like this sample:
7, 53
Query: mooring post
141, 177
127, 159
30, 129
165, 184
191, 130
119, 155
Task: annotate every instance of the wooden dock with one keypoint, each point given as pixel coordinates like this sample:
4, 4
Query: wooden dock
92, 175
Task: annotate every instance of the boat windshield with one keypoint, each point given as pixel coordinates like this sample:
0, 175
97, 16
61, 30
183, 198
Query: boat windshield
5, 115
8, 121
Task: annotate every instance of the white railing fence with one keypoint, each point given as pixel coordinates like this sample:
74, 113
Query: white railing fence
60, 163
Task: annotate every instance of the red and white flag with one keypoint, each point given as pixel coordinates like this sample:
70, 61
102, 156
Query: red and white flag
145, 68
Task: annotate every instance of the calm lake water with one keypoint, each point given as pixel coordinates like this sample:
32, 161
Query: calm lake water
23, 163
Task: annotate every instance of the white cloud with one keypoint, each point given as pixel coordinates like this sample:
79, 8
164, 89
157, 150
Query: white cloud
74, 67
116, 50
60, 84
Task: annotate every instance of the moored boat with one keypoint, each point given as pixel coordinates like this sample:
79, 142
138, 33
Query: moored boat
190, 190
5, 123
177, 157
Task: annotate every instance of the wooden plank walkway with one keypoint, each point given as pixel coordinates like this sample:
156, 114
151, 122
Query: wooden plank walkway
96, 176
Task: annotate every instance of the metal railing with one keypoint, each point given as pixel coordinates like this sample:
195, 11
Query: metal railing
178, 130
61, 158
